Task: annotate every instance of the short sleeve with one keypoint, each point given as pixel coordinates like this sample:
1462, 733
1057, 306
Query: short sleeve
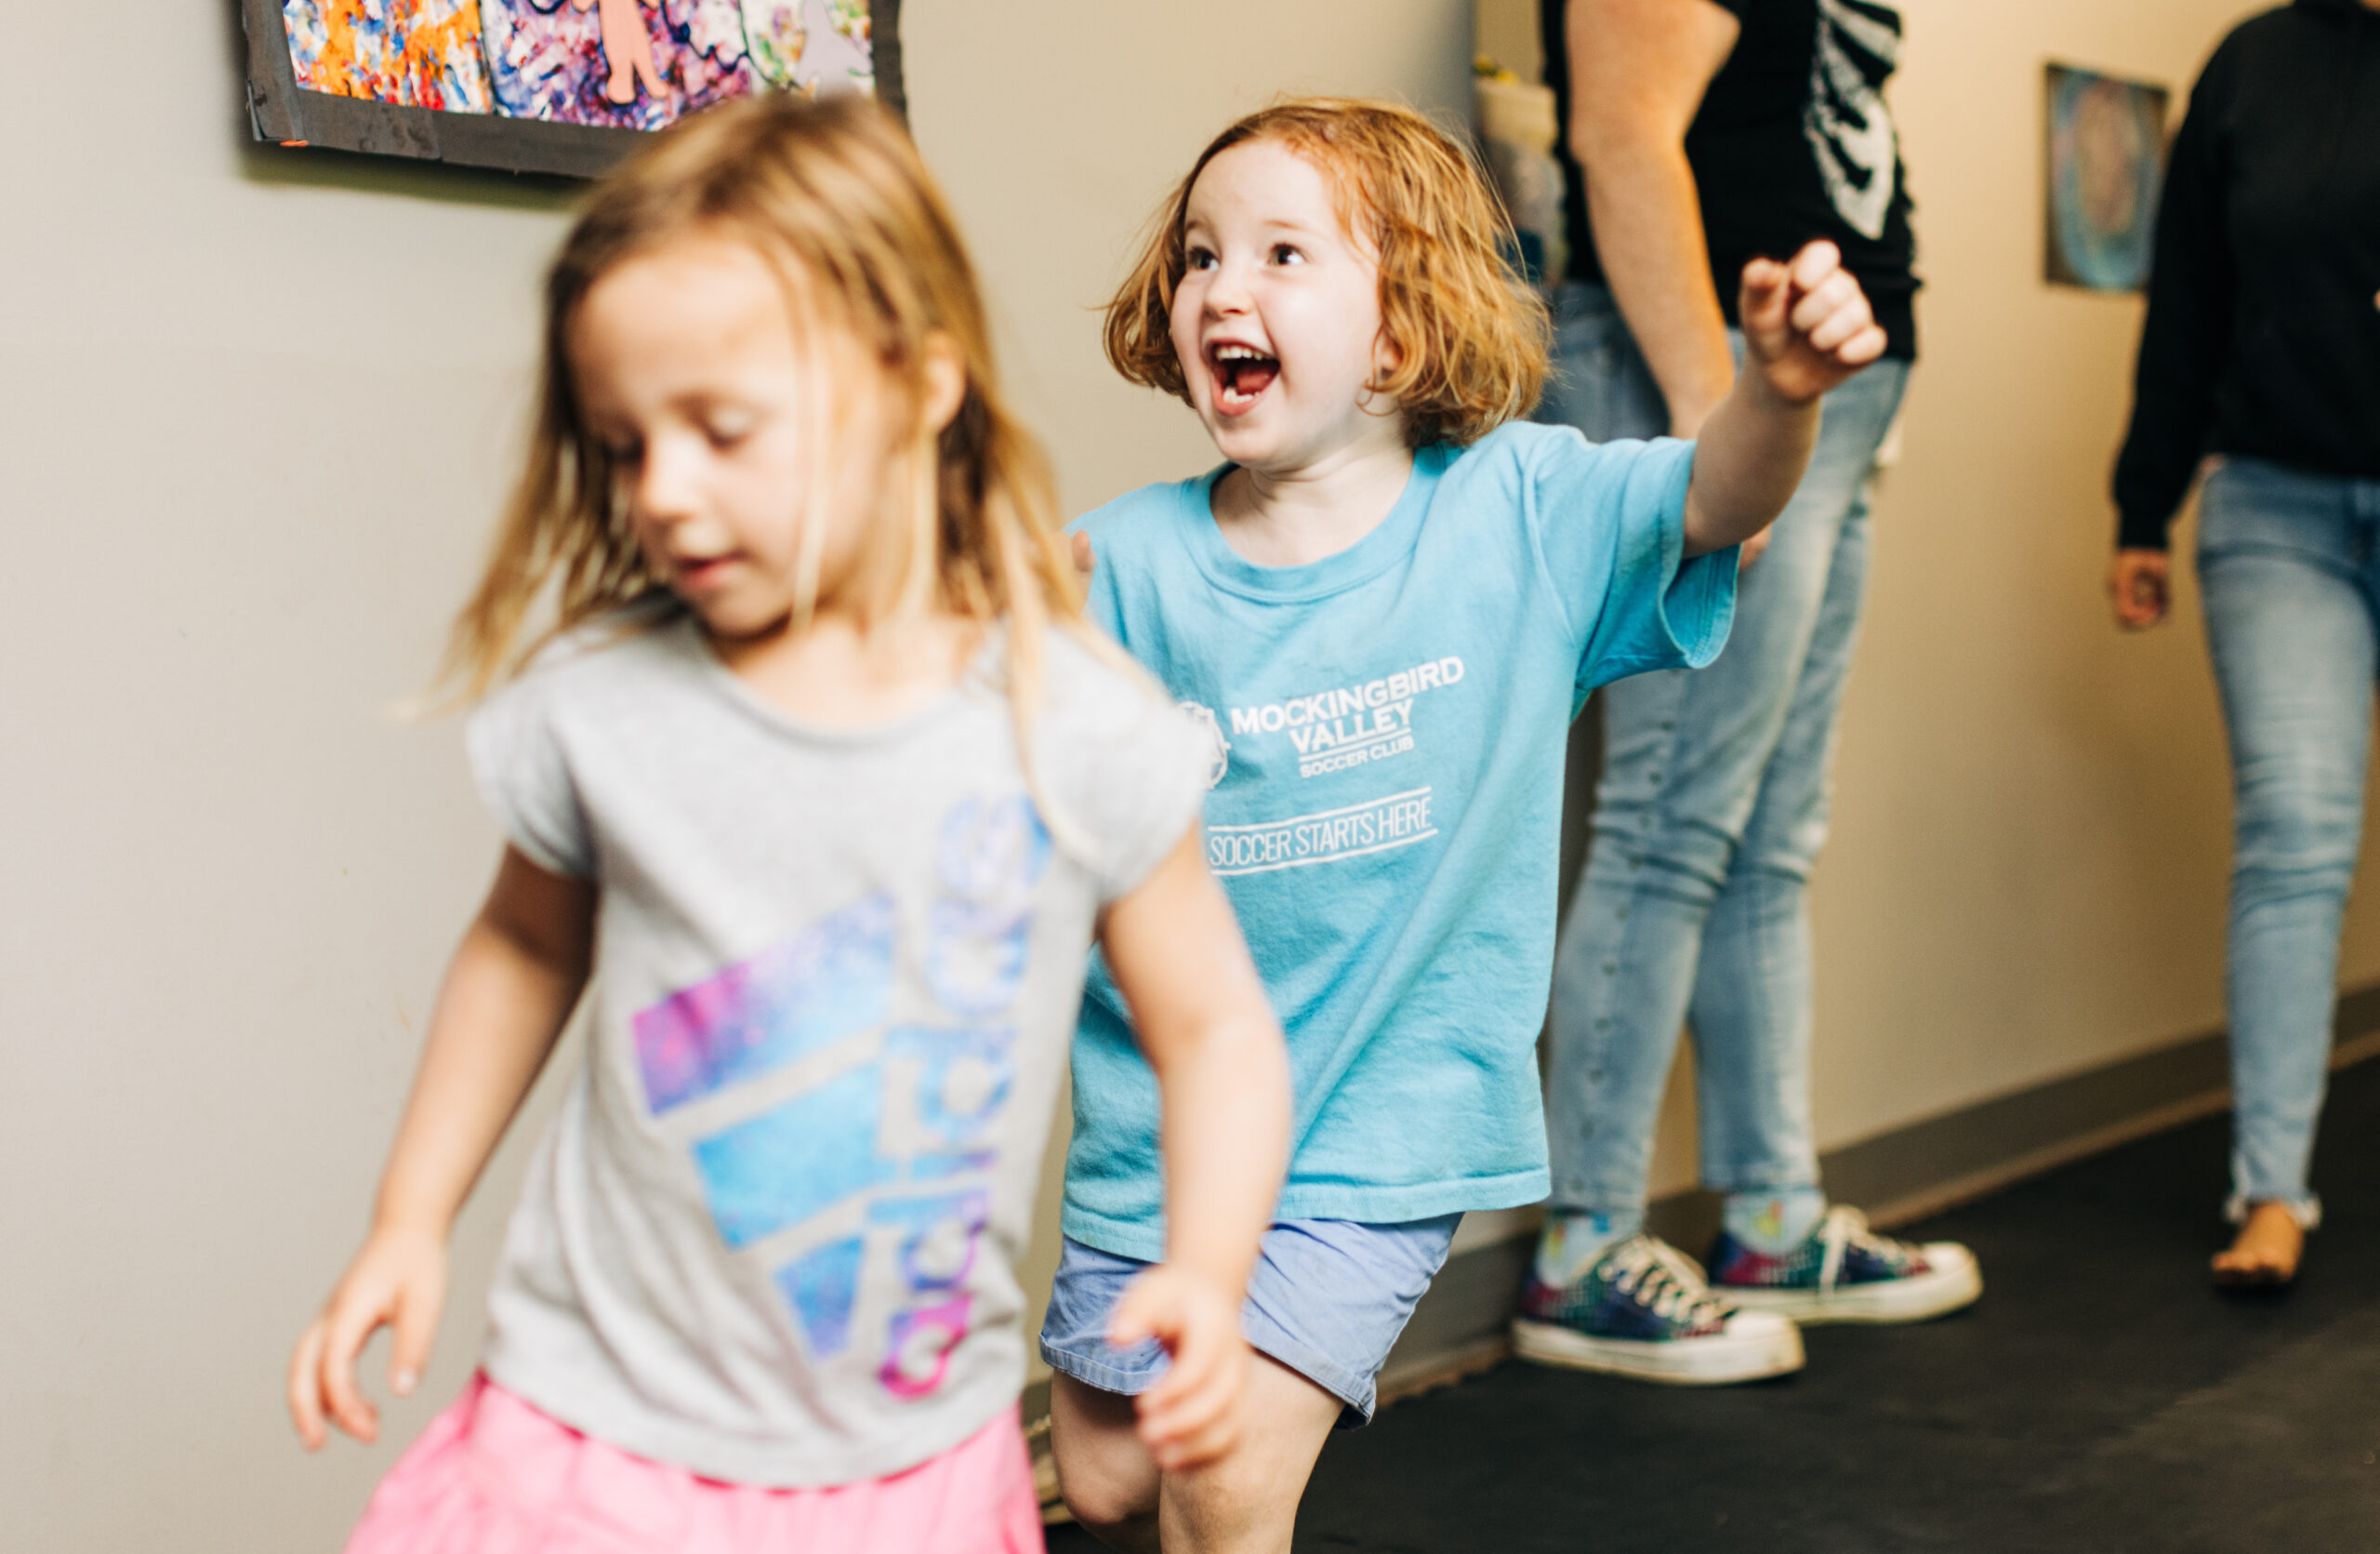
1128, 768
523, 776
1101, 604
1610, 523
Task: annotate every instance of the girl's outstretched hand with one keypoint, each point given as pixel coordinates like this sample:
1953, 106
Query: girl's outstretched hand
1192, 1414
398, 1279
1807, 324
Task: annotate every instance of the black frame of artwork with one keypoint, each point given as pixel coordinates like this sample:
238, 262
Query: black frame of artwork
282, 111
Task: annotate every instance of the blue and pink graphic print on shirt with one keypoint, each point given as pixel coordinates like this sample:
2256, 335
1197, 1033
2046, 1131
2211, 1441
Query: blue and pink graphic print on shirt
852, 1153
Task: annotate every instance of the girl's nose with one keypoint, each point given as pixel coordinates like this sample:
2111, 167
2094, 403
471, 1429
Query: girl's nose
665, 486
1227, 293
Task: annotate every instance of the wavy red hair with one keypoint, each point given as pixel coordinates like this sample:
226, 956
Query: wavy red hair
1468, 333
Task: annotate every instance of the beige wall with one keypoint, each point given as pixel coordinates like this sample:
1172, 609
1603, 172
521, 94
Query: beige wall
256, 413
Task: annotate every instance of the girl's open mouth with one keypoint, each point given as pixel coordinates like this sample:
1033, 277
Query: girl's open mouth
1242, 373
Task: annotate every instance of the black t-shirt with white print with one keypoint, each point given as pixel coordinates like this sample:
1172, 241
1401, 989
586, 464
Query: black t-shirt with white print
1792, 142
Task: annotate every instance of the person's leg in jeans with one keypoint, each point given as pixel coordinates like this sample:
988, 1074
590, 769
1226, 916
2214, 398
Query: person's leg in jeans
1603, 1295
1709, 813
1597, 1119
1688, 756
1751, 1009
2286, 567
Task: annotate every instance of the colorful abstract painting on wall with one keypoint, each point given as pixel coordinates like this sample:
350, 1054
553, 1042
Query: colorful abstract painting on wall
626, 64
2106, 165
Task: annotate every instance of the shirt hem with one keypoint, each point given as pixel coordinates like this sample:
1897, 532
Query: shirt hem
1143, 1240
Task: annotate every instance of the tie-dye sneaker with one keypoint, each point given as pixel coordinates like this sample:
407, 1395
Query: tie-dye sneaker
1641, 1309
1844, 1272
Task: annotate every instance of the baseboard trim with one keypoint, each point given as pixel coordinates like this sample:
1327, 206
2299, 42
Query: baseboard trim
1898, 1177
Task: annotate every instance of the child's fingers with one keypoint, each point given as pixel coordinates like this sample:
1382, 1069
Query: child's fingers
416, 1327
352, 1323
1147, 1310
1191, 1365
305, 1386
1170, 1418
1814, 263
1863, 347
1841, 327
1767, 286
1831, 298
1084, 561
1763, 278
1194, 1444
1194, 1429
1191, 1415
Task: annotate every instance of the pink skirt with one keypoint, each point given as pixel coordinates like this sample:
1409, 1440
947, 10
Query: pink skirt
492, 1474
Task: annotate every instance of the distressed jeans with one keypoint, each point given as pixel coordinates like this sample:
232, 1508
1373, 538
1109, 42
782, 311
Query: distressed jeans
2290, 581
1708, 819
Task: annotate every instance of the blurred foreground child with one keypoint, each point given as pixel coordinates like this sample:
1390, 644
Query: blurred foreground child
821, 790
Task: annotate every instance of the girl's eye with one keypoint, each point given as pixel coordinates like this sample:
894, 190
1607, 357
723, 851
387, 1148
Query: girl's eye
1286, 253
1201, 259
725, 431
624, 456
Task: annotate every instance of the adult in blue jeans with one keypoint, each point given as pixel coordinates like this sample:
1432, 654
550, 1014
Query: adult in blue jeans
1701, 134
2262, 348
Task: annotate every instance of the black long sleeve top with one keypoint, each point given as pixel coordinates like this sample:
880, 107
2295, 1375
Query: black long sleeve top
2263, 336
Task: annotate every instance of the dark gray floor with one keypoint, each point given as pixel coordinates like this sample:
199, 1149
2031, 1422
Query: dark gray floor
2103, 1399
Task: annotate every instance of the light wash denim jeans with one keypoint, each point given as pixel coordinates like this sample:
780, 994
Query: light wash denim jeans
1708, 819
2290, 579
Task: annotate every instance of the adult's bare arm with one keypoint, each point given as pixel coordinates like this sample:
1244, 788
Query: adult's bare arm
1638, 70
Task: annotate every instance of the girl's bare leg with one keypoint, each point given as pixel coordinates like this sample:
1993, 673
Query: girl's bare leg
1244, 1503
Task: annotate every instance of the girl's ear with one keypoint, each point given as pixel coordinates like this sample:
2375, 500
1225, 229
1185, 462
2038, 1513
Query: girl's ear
1388, 360
945, 380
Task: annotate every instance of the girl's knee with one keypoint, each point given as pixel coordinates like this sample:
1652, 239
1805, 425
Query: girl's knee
1107, 1476
1114, 1519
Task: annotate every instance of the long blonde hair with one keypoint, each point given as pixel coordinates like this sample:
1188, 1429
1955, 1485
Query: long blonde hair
1471, 335
833, 194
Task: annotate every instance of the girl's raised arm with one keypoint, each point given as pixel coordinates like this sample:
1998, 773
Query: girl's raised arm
1208, 1032
509, 989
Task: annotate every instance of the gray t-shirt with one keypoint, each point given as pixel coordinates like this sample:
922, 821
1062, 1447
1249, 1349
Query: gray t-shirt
770, 1236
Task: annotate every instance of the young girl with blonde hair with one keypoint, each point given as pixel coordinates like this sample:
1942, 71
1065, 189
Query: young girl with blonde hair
1388, 602
816, 788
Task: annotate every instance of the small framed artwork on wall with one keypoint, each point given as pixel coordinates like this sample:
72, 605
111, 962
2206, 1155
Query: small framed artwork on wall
2105, 140
544, 86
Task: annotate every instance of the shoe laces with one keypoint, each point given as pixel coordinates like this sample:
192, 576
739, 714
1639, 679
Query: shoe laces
1845, 1228
1663, 1279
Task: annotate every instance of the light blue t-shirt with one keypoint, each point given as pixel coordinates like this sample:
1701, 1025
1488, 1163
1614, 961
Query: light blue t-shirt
1388, 729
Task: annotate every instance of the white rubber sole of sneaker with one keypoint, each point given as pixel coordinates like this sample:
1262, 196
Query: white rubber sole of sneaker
1953, 1281
1755, 1346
